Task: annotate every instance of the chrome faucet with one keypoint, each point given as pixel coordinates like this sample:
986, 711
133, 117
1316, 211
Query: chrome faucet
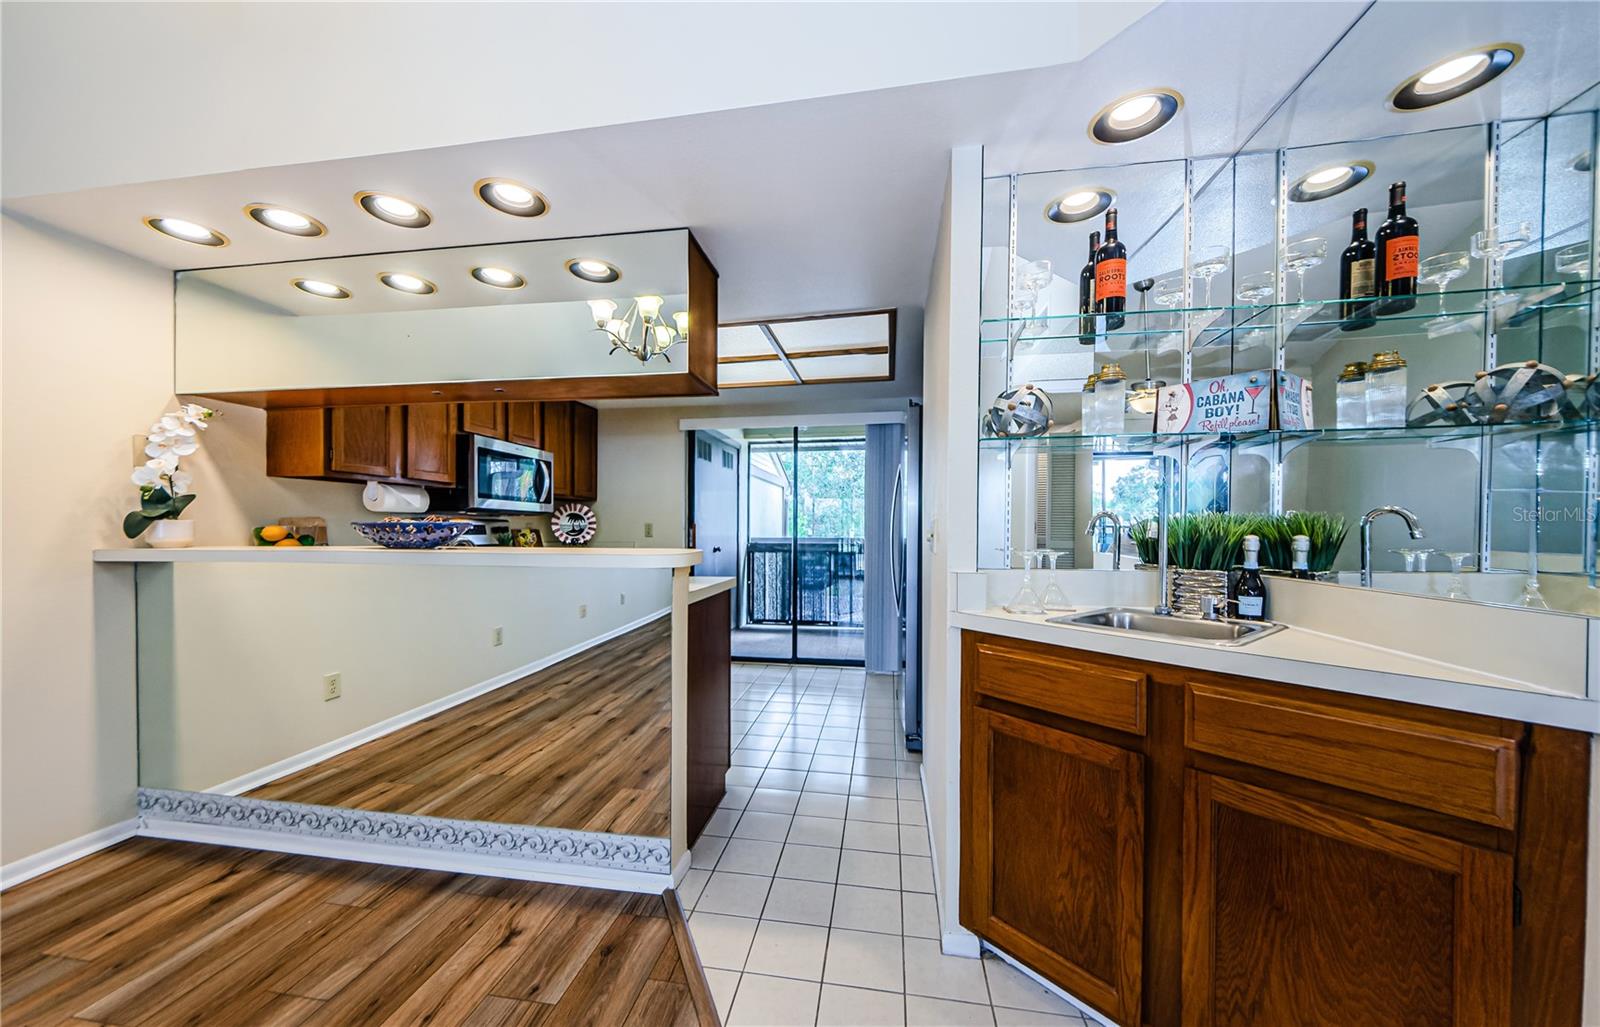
1366, 535
1116, 522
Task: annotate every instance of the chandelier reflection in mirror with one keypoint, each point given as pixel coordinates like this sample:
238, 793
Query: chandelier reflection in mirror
642, 331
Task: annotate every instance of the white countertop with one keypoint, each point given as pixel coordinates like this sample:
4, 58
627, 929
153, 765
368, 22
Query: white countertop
706, 587
1315, 659
471, 556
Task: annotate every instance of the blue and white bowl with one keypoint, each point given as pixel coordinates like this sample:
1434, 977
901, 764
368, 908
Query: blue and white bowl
411, 534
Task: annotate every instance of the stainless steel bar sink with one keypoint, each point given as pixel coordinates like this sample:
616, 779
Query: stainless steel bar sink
1219, 632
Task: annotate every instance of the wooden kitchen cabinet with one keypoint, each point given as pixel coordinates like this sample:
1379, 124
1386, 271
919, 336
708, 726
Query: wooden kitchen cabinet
571, 435
484, 419
523, 424
1282, 855
388, 443
431, 443
1053, 853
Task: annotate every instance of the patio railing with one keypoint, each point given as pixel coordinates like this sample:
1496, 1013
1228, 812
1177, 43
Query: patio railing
830, 581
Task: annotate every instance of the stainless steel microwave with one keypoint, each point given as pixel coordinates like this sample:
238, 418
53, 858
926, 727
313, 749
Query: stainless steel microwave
502, 476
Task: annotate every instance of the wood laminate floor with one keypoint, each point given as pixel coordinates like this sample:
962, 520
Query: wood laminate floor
584, 745
171, 934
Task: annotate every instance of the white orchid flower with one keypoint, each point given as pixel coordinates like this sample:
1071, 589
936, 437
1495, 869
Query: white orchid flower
175, 424
195, 414
166, 462
185, 446
155, 447
150, 475
181, 480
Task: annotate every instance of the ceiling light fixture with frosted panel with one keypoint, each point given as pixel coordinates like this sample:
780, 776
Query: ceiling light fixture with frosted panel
1454, 77
317, 287
186, 231
394, 210
402, 281
510, 197
1080, 205
1330, 181
282, 219
592, 270
499, 277
1134, 116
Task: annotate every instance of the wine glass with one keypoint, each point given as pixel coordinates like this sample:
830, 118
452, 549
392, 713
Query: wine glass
1496, 245
1209, 262
1302, 256
1027, 598
1574, 260
1456, 588
1440, 270
1257, 288
1053, 598
1033, 277
1409, 556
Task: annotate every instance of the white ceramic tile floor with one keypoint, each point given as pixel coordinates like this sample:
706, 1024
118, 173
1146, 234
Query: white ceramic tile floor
810, 896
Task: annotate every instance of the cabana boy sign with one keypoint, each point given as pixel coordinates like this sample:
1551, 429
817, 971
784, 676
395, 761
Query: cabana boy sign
1234, 403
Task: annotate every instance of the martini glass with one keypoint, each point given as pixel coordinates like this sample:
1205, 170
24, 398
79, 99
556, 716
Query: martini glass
1302, 256
1574, 260
1027, 598
1208, 264
1456, 588
1409, 556
1053, 598
1496, 245
1440, 270
1257, 288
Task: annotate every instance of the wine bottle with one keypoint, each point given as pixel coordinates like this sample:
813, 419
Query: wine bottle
1357, 267
1249, 591
1086, 294
1300, 566
1399, 246
1111, 275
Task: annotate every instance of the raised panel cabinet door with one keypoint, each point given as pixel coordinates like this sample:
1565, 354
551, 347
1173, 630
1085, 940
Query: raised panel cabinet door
1053, 856
431, 442
585, 451
365, 441
523, 424
1296, 913
557, 423
484, 419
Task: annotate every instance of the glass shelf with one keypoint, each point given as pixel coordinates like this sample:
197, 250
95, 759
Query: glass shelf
1144, 442
1434, 314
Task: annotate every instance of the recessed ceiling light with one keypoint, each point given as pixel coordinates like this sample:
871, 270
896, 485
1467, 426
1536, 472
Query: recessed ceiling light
394, 210
1133, 117
1080, 205
591, 270
282, 219
1454, 76
327, 290
187, 231
1329, 181
510, 197
499, 277
404, 282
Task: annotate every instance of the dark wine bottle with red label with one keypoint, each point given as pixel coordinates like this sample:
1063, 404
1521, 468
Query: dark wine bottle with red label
1111, 276
1399, 249
1249, 591
1358, 269
1086, 294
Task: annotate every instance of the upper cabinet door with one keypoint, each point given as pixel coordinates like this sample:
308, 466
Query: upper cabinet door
484, 419
523, 424
557, 426
1299, 913
1052, 855
366, 441
585, 452
431, 443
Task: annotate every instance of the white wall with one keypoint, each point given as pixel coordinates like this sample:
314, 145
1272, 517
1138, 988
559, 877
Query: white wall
86, 365
949, 507
232, 656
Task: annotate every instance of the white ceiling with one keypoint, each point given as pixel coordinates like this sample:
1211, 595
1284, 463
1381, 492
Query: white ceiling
832, 203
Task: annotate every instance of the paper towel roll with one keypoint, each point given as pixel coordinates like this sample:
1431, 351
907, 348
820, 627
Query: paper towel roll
406, 499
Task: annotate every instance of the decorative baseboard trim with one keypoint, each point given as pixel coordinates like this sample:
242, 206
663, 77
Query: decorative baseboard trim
510, 846
311, 757
29, 867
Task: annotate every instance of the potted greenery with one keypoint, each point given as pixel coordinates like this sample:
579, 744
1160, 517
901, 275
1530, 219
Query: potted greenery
163, 487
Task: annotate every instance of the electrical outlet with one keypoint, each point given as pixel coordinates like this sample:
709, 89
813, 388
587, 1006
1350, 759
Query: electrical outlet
649, 530
498, 637
331, 687
583, 610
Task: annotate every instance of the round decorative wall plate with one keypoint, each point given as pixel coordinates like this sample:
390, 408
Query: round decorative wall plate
573, 524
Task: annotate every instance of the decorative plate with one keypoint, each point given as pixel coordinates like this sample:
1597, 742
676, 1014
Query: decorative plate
402, 534
573, 524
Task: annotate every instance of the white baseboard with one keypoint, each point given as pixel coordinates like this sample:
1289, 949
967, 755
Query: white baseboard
954, 940
401, 856
32, 866
313, 756
682, 869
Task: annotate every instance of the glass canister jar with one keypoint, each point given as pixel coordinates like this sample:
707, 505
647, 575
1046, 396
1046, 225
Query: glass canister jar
1091, 412
1111, 400
1386, 391
1350, 410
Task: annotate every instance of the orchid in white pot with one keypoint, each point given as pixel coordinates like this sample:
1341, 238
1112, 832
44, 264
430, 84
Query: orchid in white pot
163, 487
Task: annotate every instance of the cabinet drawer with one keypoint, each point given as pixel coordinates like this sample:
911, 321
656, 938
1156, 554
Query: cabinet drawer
1109, 696
1463, 773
